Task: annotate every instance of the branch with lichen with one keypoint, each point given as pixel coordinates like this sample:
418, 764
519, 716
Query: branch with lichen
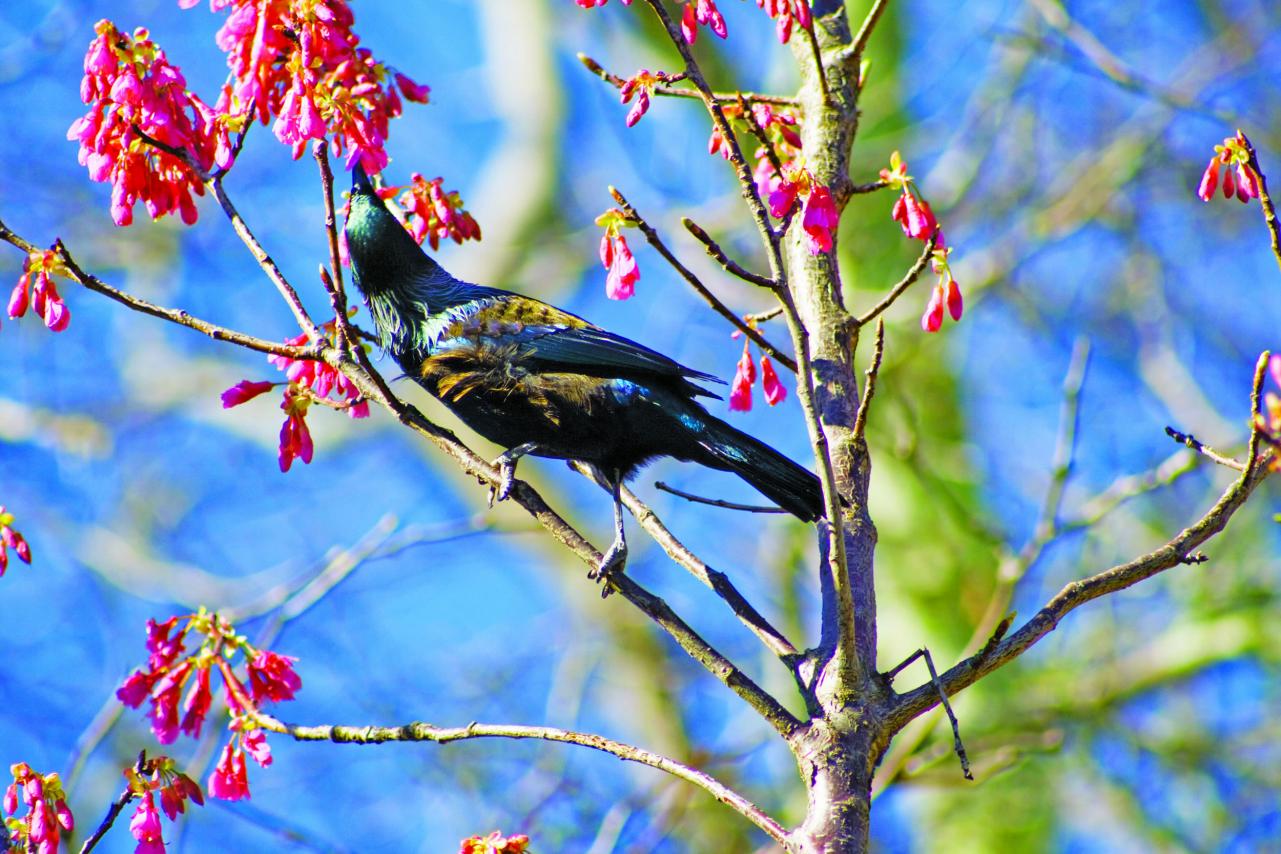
424, 732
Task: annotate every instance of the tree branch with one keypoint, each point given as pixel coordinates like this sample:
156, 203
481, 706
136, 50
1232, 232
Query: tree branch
672, 92
1173, 553
869, 24
869, 387
178, 316
694, 282
731, 266
1265, 200
716, 502
903, 284
419, 732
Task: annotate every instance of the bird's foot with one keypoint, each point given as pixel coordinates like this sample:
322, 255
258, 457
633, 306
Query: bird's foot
614, 561
507, 475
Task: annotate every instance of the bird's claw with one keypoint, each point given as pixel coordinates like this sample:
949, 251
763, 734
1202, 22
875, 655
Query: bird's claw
507, 482
614, 561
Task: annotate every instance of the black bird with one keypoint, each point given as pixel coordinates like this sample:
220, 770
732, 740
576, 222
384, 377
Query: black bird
538, 380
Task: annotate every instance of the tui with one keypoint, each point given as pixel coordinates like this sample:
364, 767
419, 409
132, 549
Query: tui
537, 380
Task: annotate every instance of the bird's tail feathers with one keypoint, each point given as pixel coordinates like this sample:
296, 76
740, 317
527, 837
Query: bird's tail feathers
789, 485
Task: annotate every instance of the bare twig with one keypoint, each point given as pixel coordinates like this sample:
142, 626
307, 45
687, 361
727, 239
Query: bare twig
178, 316
265, 261
716, 502
1204, 450
717, 582
730, 265
763, 316
858, 189
869, 387
1256, 408
1174, 553
957, 745
694, 282
1269, 210
419, 732
672, 92
903, 284
869, 24
333, 282
818, 62
113, 812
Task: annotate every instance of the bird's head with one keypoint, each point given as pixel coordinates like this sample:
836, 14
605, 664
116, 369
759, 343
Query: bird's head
380, 247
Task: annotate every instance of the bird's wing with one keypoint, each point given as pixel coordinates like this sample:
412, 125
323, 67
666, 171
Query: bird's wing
553, 339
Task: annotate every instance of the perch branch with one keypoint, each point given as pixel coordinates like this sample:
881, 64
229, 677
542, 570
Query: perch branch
419, 732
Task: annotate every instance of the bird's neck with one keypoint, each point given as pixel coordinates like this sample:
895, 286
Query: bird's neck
406, 290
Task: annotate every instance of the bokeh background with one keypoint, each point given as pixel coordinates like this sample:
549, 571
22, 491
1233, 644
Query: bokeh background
1060, 144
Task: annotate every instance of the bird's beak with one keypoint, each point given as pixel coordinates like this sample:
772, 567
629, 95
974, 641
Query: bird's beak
360, 182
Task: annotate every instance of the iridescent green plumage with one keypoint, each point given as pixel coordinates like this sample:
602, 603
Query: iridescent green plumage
538, 380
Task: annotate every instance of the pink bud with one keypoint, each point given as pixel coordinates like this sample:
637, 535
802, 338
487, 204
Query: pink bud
1229, 185
638, 109
419, 93
803, 13
775, 393
689, 24
1209, 180
18, 299
606, 251
955, 305
244, 391
932, 319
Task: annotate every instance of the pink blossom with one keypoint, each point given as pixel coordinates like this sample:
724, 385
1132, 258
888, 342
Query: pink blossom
775, 393
255, 743
230, 779
295, 438
638, 109
623, 272
434, 214
196, 706
782, 199
819, 218
740, 394
135, 689
272, 677
932, 319
145, 826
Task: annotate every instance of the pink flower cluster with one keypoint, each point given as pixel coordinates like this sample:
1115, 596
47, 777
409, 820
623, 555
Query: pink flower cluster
11, 539
914, 216
622, 273
701, 12
39, 831
496, 842
1239, 178
786, 13
131, 87
433, 214
819, 217
740, 394
298, 60
641, 85
35, 289
171, 671
159, 775
308, 381
591, 4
